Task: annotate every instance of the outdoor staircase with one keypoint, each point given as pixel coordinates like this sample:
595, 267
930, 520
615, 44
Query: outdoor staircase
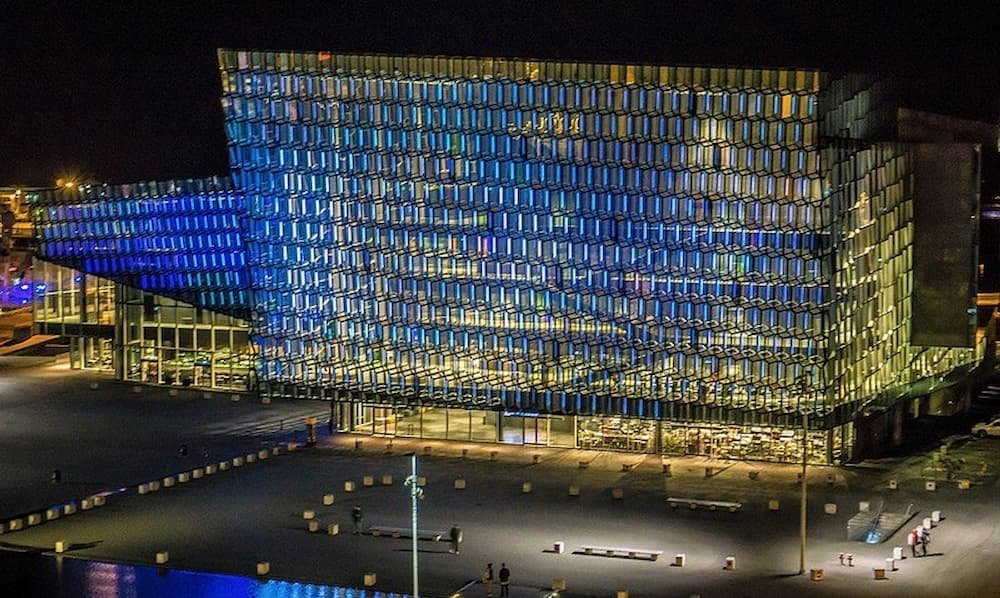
878, 527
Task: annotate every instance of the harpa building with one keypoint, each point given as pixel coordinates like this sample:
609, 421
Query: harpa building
644, 258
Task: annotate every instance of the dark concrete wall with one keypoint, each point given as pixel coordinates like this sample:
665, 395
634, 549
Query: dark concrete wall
945, 213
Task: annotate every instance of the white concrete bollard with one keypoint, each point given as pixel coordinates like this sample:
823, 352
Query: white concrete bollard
367, 481
369, 580
237, 461
162, 557
143, 488
183, 477
172, 392
864, 506
314, 526
309, 514
276, 450
99, 500
897, 553
292, 447
15, 524
197, 473
69, 508
893, 485
730, 563
574, 490
930, 486
61, 546
34, 519
890, 564
460, 484
153, 486
349, 486
250, 458
559, 547
387, 480
773, 504
526, 488
617, 493
234, 397
327, 499
936, 516
263, 454
830, 508
263, 568
168, 482
224, 465
679, 559
86, 504
52, 513
927, 524
333, 529
211, 469
558, 584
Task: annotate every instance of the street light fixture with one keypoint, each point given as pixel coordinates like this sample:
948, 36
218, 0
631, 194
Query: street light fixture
802, 511
416, 492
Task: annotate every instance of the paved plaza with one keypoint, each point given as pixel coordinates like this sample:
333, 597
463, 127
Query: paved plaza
109, 437
230, 521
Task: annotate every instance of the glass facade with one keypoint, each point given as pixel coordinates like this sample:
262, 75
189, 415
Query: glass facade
180, 239
169, 342
79, 307
633, 257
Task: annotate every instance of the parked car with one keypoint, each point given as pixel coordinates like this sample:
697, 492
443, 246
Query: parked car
984, 429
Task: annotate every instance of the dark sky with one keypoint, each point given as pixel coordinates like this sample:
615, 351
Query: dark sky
133, 93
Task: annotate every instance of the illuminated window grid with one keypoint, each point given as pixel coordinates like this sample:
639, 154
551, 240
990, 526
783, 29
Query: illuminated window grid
579, 247
174, 238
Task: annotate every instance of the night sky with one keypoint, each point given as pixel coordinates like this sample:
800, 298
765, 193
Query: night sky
131, 94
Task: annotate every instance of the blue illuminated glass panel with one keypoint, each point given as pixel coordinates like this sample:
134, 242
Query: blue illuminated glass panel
180, 239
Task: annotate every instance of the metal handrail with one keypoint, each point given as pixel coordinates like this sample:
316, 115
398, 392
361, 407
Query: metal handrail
873, 527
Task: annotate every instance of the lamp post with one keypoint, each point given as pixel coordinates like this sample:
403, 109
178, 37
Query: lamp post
802, 511
416, 492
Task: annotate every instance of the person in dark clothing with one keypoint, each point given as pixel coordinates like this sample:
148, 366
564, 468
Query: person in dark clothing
504, 580
488, 579
358, 519
456, 538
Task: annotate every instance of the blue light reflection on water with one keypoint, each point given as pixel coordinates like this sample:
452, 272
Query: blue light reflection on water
72, 577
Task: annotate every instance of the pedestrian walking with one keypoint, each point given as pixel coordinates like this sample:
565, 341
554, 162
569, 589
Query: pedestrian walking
911, 539
358, 518
456, 537
488, 579
504, 580
925, 539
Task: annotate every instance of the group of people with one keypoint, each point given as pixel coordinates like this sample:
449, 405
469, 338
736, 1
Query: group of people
921, 537
504, 578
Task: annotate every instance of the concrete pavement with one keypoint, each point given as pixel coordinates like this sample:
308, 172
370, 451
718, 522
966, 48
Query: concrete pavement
229, 521
109, 437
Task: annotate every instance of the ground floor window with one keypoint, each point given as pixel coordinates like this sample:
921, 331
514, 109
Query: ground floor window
744, 442
88, 353
474, 425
